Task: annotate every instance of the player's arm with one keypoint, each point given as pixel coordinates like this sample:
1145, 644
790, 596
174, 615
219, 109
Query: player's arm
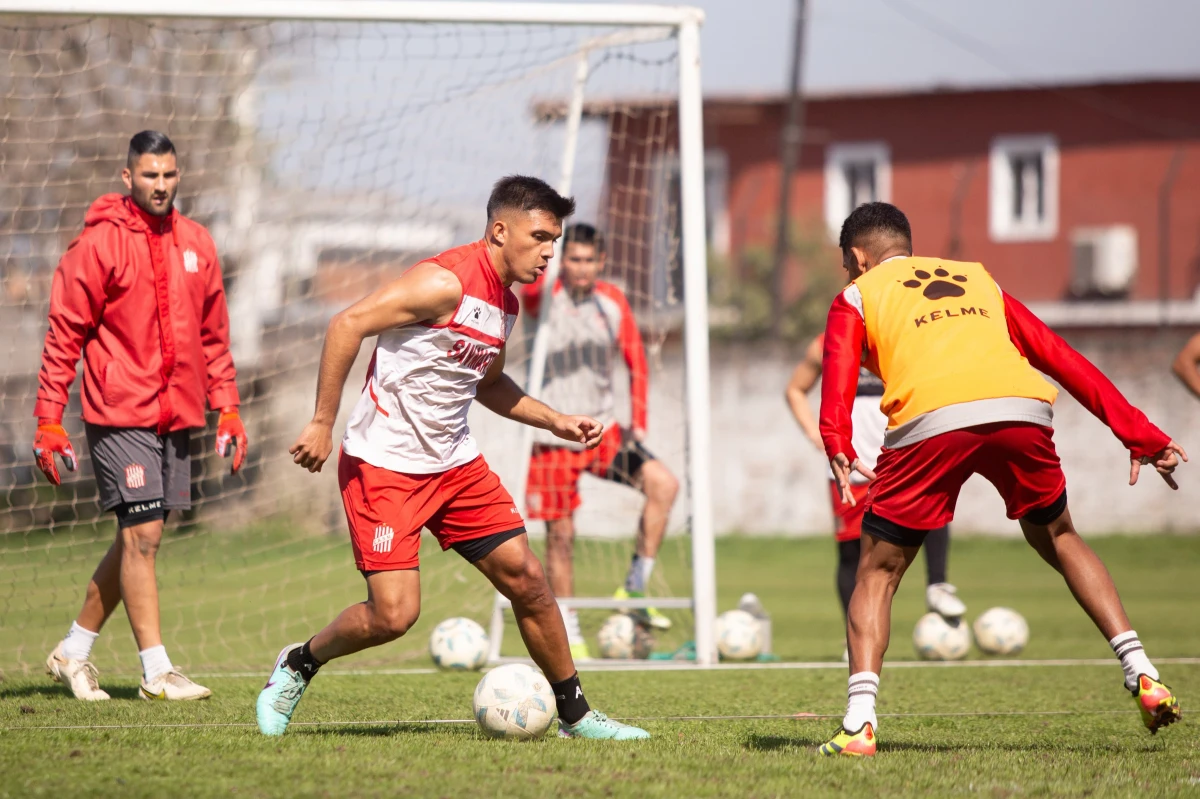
633, 350
425, 293
804, 377
500, 394
77, 299
1048, 353
1187, 365
220, 373
845, 335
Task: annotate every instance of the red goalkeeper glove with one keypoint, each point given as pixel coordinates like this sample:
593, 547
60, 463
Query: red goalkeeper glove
49, 441
231, 436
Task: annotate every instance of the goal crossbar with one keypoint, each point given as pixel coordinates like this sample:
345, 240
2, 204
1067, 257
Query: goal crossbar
372, 11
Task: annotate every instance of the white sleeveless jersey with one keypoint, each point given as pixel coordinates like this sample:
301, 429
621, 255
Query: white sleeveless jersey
412, 415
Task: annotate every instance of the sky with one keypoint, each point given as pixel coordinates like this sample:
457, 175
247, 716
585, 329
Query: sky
890, 44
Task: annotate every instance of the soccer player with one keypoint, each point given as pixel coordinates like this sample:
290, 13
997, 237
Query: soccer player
139, 295
590, 323
869, 425
408, 459
1187, 365
959, 360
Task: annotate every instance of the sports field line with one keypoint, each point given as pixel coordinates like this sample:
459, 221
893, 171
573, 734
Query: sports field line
399, 722
673, 665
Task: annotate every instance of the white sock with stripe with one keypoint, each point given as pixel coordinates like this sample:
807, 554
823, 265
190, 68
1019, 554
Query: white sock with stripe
860, 706
571, 620
1133, 657
640, 569
155, 662
78, 643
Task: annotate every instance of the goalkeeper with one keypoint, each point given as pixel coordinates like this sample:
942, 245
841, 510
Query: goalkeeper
139, 295
590, 322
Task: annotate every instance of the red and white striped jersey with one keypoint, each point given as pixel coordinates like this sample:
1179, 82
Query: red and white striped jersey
412, 414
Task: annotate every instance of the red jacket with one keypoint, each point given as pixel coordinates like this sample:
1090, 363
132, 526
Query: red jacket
142, 299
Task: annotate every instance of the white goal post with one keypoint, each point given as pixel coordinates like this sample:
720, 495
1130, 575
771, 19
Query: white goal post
618, 26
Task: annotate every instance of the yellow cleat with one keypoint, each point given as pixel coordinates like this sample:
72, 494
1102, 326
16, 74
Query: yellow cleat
580, 651
851, 744
1158, 705
648, 617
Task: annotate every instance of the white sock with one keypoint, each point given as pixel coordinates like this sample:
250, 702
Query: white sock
571, 619
155, 662
1133, 658
640, 569
78, 643
860, 708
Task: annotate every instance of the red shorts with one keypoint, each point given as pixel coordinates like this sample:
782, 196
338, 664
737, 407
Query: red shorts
386, 510
847, 519
917, 486
552, 490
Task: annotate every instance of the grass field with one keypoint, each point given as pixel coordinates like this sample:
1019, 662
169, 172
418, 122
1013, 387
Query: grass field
993, 731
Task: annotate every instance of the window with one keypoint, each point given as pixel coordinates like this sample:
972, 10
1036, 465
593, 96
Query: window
1023, 188
855, 174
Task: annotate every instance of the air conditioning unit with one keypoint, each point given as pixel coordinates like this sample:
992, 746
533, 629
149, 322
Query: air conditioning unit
1105, 261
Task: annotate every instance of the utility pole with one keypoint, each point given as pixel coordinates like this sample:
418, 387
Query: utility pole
792, 138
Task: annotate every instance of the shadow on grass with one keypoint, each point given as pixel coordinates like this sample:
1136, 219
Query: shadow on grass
49, 690
380, 730
776, 743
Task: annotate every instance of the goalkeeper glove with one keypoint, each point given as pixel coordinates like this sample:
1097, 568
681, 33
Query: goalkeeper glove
231, 436
51, 439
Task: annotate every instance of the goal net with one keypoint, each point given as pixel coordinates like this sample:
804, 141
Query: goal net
327, 156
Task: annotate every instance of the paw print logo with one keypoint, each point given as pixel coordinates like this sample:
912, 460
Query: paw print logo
936, 288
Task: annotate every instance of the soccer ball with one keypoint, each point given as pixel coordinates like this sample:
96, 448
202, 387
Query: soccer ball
1001, 631
621, 637
514, 701
739, 635
937, 639
459, 644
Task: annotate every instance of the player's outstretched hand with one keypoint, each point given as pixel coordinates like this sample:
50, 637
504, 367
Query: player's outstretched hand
580, 429
51, 439
842, 467
1164, 463
231, 437
312, 448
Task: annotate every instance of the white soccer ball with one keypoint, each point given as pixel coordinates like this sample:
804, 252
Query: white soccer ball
937, 639
514, 701
1001, 631
739, 635
459, 644
622, 638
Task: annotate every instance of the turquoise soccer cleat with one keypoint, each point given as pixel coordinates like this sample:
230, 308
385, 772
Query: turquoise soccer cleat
279, 696
597, 726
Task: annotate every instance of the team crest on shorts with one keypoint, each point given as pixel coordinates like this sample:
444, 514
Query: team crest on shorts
135, 476
383, 539
190, 262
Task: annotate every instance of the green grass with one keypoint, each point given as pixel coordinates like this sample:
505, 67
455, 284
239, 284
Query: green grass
1099, 748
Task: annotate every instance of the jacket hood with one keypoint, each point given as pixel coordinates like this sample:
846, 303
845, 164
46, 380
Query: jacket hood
121, 210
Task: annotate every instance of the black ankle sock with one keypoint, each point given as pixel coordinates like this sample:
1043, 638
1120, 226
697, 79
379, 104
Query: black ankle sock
568, 695
301, 661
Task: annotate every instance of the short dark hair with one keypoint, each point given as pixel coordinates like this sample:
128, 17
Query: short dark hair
525, 193
148, 141
874, 219
583, 233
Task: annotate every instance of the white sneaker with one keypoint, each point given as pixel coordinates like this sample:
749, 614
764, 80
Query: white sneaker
942, 599
172, 686
78, 675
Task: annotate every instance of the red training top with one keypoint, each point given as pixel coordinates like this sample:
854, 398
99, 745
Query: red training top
141, 298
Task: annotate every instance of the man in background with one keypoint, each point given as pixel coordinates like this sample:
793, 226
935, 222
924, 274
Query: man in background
138, 295
591, 324
870, 423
